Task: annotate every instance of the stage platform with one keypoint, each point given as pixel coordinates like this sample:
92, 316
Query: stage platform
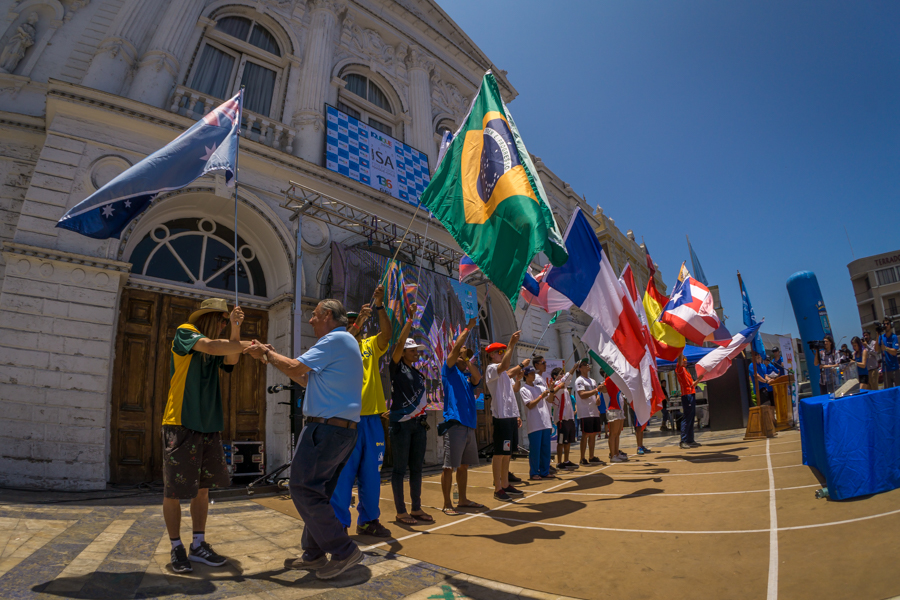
731, 519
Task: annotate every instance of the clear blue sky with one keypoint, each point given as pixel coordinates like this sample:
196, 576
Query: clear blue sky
759, 128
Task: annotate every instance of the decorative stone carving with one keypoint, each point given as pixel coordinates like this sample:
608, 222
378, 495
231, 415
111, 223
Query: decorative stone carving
114, 46
447, 96
14, 51
74, 7
419, 59
332, 6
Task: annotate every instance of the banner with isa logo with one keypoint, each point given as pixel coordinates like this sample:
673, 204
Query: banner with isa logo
380, 161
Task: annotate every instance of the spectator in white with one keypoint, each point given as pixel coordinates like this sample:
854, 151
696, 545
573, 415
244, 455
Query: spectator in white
872, 360
587, 398
459, 377
827, 361
408, 429
537, 400
332, 372
889, 347
498, 378
540, 367
565, 426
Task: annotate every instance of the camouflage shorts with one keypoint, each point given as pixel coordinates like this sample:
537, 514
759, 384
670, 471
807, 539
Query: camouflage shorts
191, 461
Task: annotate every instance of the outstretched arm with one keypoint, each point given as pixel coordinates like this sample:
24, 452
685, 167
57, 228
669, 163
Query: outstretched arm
291, 367
459, 343
507, 356
404, 333
384, 323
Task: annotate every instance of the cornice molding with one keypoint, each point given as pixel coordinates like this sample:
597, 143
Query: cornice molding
104, 264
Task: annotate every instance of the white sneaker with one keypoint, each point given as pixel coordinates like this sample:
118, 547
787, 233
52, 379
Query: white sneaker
618, 459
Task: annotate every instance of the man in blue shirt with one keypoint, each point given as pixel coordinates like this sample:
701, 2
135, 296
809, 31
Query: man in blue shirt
887, 344
459, 378
760, 375
776, 365
332, 372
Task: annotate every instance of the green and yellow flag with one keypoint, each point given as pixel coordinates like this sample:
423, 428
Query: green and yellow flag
488, 195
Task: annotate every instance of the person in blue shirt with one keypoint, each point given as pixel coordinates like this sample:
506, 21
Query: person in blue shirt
887, 344
777, 362
332, 372
459, 377
760, 375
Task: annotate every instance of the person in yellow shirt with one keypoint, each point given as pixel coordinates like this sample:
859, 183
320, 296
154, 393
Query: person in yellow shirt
364, 464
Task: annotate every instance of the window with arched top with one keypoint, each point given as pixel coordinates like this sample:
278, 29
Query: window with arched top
364, 100
200, 253
241, 51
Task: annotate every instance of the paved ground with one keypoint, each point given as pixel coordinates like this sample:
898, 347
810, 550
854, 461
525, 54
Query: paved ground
684, 524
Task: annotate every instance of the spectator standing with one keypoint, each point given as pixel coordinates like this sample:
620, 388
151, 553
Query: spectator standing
615, 416
860, 357
827, 361
565, 426
332, 372
459, 377
587, 400
364, 464
887, 344
872, 362
688, 403
536, 401
505, 412
408, 429
760, 374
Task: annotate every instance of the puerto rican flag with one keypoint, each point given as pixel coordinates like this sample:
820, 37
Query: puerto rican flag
719, 360
690, 312
538, 292
616, 334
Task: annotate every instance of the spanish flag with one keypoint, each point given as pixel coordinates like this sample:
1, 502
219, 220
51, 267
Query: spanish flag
669, 343
488, 195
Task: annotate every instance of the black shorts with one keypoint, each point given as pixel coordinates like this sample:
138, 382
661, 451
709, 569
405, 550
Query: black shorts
863, 377
506, 435
191, 461
591, 425
565, 431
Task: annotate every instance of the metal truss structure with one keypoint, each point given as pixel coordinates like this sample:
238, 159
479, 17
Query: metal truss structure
307, 202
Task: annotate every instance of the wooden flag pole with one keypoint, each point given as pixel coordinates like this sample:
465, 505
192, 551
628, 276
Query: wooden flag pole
236, 155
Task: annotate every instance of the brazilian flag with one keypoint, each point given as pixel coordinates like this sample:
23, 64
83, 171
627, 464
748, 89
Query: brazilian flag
487, 194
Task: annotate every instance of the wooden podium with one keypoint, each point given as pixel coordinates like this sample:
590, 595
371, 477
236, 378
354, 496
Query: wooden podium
760, 423
784, 415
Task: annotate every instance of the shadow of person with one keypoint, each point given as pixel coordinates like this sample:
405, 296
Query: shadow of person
526, 535
595, 480
705, 457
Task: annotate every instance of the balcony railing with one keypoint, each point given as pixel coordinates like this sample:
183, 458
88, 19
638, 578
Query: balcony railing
193, 104
864, 296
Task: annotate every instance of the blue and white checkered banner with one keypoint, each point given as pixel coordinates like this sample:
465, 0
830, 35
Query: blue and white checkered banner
365, 154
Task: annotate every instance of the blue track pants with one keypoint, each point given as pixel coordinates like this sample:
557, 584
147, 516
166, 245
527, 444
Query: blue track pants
363, 465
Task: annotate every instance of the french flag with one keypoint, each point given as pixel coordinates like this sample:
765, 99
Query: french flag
538, 292
690, 312
719, 360
616, 334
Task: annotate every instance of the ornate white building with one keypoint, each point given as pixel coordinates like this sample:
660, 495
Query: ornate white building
90, 87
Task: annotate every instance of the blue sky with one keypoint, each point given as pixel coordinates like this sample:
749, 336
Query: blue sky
761, 129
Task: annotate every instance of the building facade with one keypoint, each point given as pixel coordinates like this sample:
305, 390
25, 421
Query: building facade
87, 89
876, 285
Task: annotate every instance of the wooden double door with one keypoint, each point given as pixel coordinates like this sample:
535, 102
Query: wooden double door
147, 324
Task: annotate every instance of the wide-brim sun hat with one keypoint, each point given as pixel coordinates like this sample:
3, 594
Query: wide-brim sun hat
495, 347
411, 343
208, 306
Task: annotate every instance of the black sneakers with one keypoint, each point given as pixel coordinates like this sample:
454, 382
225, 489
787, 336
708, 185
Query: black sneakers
336, 567
502, 495
513, 491
180, 562
513, 479
206, 555
373, 528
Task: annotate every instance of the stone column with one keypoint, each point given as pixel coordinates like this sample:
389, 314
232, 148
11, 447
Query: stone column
419, 67
566, 345
117, 53
318, 57
160, 64
293, 87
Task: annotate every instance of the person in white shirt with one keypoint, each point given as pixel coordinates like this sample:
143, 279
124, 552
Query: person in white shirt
565, 418
537, 401
498, 378
587, 399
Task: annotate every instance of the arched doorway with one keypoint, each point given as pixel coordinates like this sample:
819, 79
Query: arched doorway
178, 259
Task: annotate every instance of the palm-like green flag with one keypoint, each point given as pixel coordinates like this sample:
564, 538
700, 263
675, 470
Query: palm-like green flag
488, 195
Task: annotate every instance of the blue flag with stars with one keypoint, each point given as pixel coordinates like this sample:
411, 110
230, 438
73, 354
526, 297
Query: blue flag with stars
209, 145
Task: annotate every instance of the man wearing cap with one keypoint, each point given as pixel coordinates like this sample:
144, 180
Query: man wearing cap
332, 372
459, 378
777, 362
193, 458
505, 411
364, 464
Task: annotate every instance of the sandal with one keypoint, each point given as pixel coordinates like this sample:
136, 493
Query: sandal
423, 517
451, 512
407, 520
535, 478
470, 505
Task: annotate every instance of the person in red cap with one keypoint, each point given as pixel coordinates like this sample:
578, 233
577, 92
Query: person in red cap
505, 410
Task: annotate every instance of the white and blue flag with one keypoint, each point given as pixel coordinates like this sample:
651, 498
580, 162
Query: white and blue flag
209, 145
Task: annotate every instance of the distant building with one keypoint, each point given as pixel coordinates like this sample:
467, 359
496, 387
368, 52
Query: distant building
876, 284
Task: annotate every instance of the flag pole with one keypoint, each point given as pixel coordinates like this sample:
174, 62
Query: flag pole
400, 245
236, 154
540, 339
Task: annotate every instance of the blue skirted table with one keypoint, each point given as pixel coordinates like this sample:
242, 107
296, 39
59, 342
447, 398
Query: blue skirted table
853, 441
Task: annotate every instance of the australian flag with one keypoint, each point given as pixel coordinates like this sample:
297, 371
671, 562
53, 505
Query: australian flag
210, 145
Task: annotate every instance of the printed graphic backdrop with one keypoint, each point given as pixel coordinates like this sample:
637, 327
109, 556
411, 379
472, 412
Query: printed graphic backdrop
356, 150
355, 274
